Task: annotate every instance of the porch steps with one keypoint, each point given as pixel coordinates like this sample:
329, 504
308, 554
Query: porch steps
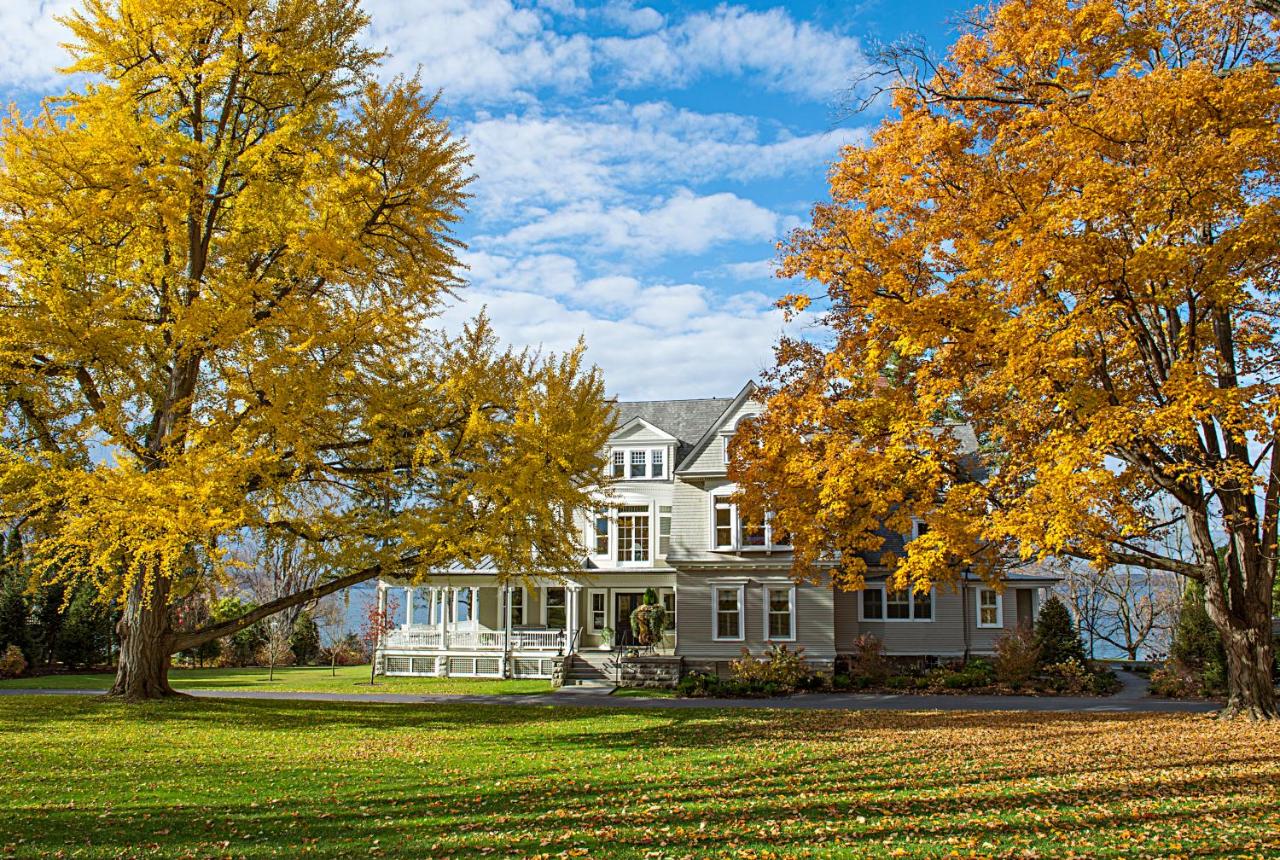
589, 672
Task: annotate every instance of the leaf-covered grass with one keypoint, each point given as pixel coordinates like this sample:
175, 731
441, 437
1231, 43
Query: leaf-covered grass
81, 777
308, 679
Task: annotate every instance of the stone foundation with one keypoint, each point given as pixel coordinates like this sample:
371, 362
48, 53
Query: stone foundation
655, 672
557, 672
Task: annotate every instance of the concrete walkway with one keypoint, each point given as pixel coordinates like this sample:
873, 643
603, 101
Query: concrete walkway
1131, 698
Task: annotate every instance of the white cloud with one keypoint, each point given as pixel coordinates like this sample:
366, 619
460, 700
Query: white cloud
670, 341
504, 51
684, 223
478, 49
753, 270
33, 42
607, 151
769, 47
634, 19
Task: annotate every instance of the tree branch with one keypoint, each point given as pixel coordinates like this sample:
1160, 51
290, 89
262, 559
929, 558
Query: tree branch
183, 641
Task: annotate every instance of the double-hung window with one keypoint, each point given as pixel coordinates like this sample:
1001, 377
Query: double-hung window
882, 604
726, 604
600, 533
780, 613
723, 523
669, 604
633, 533
599, 610
555, 607
990, 608
516, 594
638, 464
731, 530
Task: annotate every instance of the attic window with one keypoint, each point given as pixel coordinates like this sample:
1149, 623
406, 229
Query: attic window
638, 464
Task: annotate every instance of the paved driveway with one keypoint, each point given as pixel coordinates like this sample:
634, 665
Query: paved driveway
1132, 698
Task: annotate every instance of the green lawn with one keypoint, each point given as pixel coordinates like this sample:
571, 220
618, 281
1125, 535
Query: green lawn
82, 777
310, 679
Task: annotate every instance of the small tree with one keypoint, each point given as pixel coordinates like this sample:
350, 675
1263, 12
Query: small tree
1056, 634
304, 640
1197, 645
378, 622
649, 619
15, 616
275, 647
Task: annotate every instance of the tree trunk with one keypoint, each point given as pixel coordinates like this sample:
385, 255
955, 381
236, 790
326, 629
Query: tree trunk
146, 643
1251, 692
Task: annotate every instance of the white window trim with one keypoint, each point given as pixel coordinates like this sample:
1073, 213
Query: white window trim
916, 523
591, 592
524, 606
741, 590
545, 606
720, 496
884, 607
615, 514
791, 612
977, 616
664, 451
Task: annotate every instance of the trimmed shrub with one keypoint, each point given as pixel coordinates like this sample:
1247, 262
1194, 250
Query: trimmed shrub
1017, 656
779, 667
1056, 635
868, 662
649, 619
12, 663
1069, 676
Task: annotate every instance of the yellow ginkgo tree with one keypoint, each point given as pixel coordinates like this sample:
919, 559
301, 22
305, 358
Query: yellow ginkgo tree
1063, 239
221, 262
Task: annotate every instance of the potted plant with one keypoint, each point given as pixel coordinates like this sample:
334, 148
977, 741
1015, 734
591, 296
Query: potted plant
606, 638
649, 620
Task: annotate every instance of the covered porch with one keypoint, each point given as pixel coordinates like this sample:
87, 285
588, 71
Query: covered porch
474, 627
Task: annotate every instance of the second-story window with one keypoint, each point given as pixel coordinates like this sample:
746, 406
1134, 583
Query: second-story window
600, 533
664, 529
731, 530
619, 464
639, 463
633, 533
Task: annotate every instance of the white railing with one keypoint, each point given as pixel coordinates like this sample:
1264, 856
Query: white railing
473, 640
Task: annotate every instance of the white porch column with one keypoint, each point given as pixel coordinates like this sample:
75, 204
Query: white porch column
506, 593
572, 592
408, 606
447, 594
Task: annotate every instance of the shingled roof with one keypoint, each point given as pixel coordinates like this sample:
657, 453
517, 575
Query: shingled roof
687, 420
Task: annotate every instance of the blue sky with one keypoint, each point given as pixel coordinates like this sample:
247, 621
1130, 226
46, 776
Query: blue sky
636, 164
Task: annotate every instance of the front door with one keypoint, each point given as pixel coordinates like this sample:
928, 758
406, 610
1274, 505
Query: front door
624, 603
1026, 613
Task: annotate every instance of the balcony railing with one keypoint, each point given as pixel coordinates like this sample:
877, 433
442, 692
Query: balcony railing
478, 639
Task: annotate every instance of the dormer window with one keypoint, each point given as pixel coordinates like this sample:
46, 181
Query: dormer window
638, 464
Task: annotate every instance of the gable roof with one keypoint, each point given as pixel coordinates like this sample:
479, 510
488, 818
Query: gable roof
697, 447
686, 420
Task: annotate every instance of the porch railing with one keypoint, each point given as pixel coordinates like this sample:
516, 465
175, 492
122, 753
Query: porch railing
474, 640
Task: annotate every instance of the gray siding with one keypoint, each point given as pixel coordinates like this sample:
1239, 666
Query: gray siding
814, 620
953, 611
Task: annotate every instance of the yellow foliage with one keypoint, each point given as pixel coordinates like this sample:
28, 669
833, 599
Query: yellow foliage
221, 261
1066, 241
